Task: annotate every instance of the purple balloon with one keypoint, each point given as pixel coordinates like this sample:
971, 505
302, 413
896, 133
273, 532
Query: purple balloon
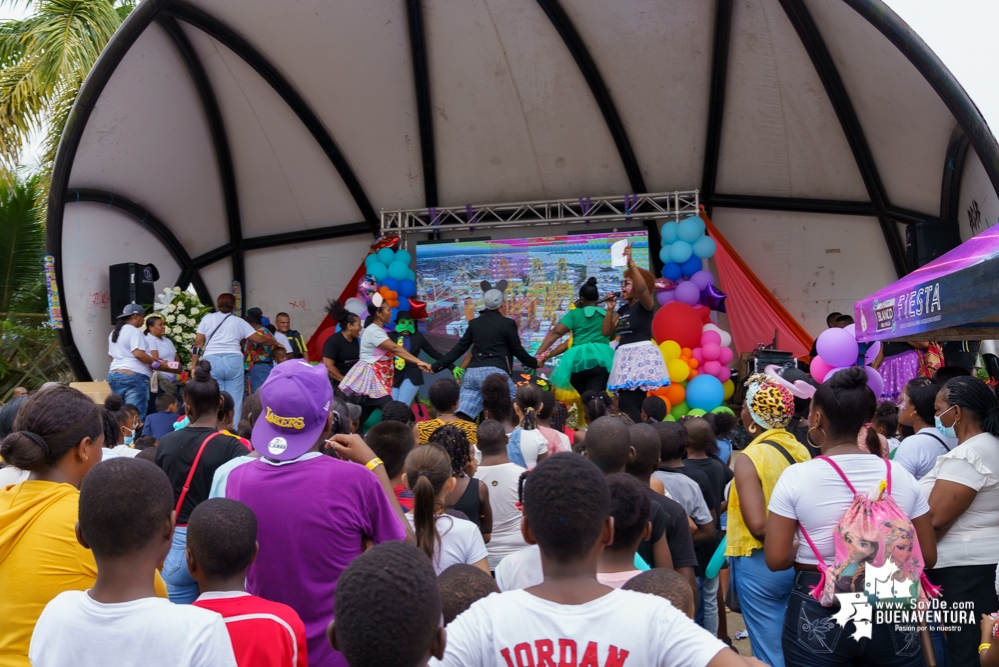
834, 371
714, 298
702, 279
665, 296
872, 352
687, 292
837, 347
875, 382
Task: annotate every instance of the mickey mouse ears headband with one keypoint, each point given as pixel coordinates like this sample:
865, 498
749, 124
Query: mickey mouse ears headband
377, 299
799, 388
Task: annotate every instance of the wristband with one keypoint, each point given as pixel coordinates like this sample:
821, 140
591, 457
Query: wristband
155, 365
984, 647
196, 351
374, 463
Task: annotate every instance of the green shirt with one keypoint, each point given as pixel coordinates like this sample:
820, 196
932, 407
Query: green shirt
585, 324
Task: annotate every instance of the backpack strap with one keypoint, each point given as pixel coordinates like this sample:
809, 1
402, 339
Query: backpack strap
190, 474
839, 471
822, 562
938, 439
779, 448
888, 476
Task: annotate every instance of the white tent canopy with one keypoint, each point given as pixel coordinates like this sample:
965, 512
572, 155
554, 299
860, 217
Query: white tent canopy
258, 140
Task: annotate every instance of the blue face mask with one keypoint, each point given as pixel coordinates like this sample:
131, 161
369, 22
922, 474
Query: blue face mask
945, 431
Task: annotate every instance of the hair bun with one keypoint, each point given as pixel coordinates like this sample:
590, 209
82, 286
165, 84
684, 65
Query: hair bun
114, 402
591, 281
203, 371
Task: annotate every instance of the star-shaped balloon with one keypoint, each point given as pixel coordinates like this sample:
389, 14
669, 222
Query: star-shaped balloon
714, 298
663, 284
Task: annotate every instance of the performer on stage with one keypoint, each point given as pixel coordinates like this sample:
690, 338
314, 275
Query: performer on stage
369, 382
408, 377
638, 364
587, 364
496, 341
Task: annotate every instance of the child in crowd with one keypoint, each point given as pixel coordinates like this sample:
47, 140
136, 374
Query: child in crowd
461, 586
571, 617
469, 496
355, 412
161, 422
630, 507
126, 519
397, 411
144, 442
501, 477
392, 441
147, 454
885, 422
667, 584
722, 425
556, 440
221, 544
684, 490
388, 609
527, 446
654, 410
443, 538
120, 443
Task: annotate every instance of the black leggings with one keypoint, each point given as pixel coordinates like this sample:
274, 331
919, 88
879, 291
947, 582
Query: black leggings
592, 379
630, 403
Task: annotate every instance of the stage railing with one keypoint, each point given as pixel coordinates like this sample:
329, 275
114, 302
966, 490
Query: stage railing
579, 211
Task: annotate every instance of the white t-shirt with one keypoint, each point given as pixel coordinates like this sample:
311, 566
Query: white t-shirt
283, 339
620, 628
224, 332
76, 630
918, 453
119, 451
373, 336
461, 542
973, 539
533, 444
502, 480
129, 338
521, 569
813, 493
10, 475
685, 491
165, 348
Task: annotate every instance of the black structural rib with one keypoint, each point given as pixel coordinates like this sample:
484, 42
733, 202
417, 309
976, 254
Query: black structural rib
822, 60
285, 238
149, 220
831, 206
939, 77
560, 20
220, 140
210, 25
716, 103
119, 44
950, 190
424, 110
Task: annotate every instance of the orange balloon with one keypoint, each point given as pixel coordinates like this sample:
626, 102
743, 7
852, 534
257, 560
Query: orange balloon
384, 291
693, 374
675, 393
692, 362
686, 352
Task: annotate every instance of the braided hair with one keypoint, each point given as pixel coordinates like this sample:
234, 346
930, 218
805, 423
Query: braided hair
596, 404
560, 415
455, 443
976, 397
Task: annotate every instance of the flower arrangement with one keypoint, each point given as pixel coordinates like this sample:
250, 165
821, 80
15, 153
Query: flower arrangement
181, 311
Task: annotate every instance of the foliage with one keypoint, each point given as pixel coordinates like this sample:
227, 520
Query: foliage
182, 311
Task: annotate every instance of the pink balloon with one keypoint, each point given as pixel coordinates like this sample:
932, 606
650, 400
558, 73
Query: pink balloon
834, 371
697, 354
726, 355
712, 368
820, 369
665, 296
711, 352
874, 381
711, 337
837, 346
724, 374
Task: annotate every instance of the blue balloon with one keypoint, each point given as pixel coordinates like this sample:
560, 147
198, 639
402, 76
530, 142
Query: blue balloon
664, 254
390, 282
668, 233
395, 311
386, 256
705, 247
411, 275
691, 266
680, 252
672, 271
371, 259
379, 271
403, 256
398, 270
705, 392
407, 288
691, 229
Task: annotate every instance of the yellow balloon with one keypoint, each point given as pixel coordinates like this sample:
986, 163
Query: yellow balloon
670, 350
678, 370
729, 388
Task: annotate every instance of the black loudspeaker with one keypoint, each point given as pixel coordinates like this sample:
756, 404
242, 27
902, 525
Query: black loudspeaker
928, 239
131, 283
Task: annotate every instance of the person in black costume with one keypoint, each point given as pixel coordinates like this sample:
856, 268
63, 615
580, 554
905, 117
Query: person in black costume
408, 377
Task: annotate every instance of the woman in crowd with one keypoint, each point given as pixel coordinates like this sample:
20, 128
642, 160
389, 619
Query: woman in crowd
162, 349
190, 456
444, 395
369, 382
587, 364
812, 495
763, 594
258, 362
469, 496
131, 363
528, 446
219, 340
342, 350
918, 453
963, 490
638, 364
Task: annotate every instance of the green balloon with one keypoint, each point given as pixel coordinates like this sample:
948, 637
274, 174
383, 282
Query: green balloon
670, 418
723, 410
680, 409
696, 412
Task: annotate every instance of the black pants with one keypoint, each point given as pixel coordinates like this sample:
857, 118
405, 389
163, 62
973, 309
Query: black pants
368, 405
592, 379
966, 583
630, 403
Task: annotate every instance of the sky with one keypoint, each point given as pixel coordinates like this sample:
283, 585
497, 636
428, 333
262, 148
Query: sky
961, 32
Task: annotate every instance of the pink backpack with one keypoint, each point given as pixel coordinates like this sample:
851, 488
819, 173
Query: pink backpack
877, 551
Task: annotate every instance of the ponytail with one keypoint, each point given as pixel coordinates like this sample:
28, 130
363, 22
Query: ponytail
428, 468
528, 399
870, 439
117, 330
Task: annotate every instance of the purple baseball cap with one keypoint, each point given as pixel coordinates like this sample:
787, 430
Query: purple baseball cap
296, 400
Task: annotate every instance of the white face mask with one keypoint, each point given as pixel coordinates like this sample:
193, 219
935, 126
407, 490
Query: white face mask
130, 437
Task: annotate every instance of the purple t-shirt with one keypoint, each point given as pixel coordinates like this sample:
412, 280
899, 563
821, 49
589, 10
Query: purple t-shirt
312, 516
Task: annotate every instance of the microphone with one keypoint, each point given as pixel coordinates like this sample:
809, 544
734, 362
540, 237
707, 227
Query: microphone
612, 295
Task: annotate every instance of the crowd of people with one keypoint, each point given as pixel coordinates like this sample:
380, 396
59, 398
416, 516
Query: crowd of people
272, 511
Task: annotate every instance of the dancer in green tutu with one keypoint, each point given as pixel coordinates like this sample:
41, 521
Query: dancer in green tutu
586, 365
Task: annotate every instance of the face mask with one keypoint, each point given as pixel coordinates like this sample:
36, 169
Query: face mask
945, 431
129, 438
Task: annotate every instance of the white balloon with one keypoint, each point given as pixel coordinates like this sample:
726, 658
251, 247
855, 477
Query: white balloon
356, 306
726, 337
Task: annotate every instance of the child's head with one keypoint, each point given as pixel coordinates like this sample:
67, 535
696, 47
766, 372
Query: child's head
444, 395
547, 406
147, 454
653, 409
491, 437
279, 353
126, 512
607, 444
455, 443
221, 541
428, 473
700, 436
391, 589
126, 422
596, 404
630, 507
668, 584
397, 411
227, 413
566, 509
355, 411
527, 403
560, 415
672, 440
722, 423
496, 403
885, 419
461, 586
645, 441
166, 403
392, 442
145, 442
248, 414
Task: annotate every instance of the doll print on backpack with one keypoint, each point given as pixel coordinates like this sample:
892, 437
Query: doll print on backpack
862, 546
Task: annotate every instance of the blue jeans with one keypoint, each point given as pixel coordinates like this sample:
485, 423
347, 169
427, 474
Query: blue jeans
707, 604
133, 387
763, 597
470, 401
257, 375
812, 638
406, 392
181, 587
227, 369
